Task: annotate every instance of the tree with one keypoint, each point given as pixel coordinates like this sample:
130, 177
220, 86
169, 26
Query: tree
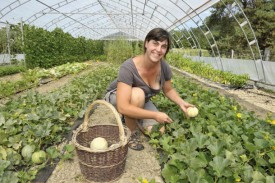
15, 39
262, 18
227, 32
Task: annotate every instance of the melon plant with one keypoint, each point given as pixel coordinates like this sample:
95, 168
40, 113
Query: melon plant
27, 151
225, 143
39, 157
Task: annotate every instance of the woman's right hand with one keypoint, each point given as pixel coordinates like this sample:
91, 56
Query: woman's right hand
161, 117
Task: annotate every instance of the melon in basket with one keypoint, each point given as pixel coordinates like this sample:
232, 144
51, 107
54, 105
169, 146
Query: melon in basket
99, 143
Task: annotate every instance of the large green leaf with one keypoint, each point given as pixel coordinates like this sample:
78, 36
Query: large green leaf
8, 177
261, 143
230, 156
251, 147
198, 161
220, 166
3, 137
270, 179
197, 176
165, 142
202, 140
15, 141
3, 165
13, 156
188, 148
247, 173
170, 174
216, 147
177, 160
2, 119
258, 176
271, 156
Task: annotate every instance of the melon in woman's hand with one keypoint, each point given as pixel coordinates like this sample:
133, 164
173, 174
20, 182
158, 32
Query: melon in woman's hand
99, 143
192, 111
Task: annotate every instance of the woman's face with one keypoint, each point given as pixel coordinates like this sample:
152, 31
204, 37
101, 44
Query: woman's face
156, 49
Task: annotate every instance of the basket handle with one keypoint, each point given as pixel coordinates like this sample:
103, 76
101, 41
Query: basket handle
118, 120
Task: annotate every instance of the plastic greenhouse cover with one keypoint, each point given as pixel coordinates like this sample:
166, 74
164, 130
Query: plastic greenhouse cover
96, 19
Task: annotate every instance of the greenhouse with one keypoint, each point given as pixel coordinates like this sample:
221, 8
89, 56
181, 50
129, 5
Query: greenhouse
59, 59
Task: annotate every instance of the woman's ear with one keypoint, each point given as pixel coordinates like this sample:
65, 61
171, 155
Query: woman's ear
146, 43
145, 46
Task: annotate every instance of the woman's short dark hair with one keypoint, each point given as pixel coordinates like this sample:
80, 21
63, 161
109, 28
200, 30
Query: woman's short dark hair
158, 34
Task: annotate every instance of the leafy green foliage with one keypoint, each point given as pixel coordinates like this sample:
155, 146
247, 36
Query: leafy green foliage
207, 71
261, 15
118, 51
48, 49
228, 34
11, 69
137, 45
191, 52
32, 77
224, 143
15, 35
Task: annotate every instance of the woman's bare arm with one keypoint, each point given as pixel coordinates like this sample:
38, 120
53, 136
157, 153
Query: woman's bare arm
173, 95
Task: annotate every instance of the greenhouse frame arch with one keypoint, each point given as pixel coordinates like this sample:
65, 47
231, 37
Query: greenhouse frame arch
102, 19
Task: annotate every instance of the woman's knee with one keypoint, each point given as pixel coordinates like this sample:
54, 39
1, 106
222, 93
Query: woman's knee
137, 97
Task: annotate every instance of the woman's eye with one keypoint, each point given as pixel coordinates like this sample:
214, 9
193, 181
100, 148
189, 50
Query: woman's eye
155, 43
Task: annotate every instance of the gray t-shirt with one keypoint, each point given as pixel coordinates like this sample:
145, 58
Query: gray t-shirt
129, 75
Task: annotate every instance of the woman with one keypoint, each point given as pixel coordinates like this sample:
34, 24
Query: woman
139, 79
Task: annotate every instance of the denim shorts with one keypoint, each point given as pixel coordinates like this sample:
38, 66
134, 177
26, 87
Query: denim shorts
111, 98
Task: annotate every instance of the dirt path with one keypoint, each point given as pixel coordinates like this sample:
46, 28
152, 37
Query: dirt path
144, 163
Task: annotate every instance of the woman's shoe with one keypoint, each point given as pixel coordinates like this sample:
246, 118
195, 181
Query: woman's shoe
134, 142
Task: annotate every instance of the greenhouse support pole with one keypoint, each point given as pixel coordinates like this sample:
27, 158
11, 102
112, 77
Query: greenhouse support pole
22, 38
22, 32
8, 41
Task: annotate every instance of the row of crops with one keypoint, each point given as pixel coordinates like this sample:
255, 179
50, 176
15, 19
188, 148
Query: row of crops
34, 77
224, 143
42, 120
207, 71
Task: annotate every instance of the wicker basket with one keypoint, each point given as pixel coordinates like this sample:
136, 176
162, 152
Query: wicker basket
105, 165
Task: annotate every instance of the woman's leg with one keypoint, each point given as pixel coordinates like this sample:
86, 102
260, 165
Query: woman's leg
137, 99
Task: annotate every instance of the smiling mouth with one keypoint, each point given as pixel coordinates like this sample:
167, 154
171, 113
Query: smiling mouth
157, 54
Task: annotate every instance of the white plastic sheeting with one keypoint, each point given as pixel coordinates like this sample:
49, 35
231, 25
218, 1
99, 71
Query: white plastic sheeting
6, 58
97, 19
261, 71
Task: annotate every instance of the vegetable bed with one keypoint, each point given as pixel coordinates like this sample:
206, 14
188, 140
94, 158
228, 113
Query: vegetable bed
224, 143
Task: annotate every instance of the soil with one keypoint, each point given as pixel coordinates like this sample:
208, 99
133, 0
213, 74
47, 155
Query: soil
145, 163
